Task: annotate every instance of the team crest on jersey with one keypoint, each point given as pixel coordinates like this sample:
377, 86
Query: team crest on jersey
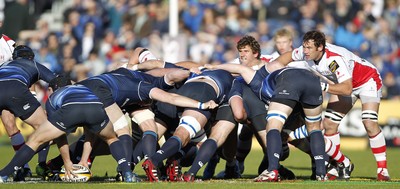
333, 66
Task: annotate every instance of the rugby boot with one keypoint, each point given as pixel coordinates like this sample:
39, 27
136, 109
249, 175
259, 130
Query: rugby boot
188, 177
321, 178
285, 173
345, 172
174, 171
151, 170
21, 173
383, 174
332, 171
131, 177
3, 179
268, 176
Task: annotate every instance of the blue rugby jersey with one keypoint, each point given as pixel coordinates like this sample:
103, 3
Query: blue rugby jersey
25, 71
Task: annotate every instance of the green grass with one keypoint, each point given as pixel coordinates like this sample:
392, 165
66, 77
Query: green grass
104, 167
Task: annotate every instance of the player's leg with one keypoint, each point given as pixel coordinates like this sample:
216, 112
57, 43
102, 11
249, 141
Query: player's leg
39, 137
369, 116
276, 117
15, 135
337, 108
109, 136
145, 120
191, 122
317, 144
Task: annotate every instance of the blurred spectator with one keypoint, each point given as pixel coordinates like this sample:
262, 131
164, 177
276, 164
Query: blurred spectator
17, 17
345, 10
90, 67
391, 89
193, 16
47, 58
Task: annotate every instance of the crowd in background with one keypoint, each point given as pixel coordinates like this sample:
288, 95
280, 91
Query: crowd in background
97, 34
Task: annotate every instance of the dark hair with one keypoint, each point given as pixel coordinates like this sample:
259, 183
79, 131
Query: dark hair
250, 41
23, 51
318, 38
59, 81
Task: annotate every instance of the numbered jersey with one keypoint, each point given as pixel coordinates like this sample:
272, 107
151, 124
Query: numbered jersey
339, 64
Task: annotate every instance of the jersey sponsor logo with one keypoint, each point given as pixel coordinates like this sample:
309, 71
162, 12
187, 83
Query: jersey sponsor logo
284, 92
333, 66
276, 155
26, 106
160, 152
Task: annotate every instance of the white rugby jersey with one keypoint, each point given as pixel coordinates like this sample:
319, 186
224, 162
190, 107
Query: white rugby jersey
339, 64
6, 48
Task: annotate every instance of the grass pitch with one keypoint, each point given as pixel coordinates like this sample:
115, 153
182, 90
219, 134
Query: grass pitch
104, 170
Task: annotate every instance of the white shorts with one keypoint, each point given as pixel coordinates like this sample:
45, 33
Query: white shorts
368, 92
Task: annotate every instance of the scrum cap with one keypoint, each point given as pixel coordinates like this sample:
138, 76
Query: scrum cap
23, 51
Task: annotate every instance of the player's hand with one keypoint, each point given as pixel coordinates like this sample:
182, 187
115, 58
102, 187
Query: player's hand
69, 171
195, 70
210, 66
209, 105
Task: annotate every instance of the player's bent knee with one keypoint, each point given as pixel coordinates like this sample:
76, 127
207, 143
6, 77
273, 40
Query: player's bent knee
190, 124
369, 115
142, 116
334, 116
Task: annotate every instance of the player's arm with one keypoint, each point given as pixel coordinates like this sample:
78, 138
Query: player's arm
246, 72
63, 146
236, 101
179, 100
44, 73
87, 148
344, 88
176, 75
188, 64
283, 59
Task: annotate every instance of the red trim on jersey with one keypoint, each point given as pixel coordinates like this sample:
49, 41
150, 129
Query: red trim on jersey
6, 38
330, 53
362, 73
266, 59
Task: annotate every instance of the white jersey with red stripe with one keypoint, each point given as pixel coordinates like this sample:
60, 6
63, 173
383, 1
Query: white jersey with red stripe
263, 57
6, 48
339, 64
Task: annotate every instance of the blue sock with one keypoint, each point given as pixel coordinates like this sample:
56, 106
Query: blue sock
137, 154
189, 154
127, 143
22, 156
149, 143
317, 145
204, 155
42, 154
119, 155
170, 148
274, 148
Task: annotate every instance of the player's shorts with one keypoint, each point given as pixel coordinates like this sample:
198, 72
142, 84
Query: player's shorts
254, 106
368, 92
69, 117
17, 98
298, 85
100, 89
295, 119
224, 112
199, 91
